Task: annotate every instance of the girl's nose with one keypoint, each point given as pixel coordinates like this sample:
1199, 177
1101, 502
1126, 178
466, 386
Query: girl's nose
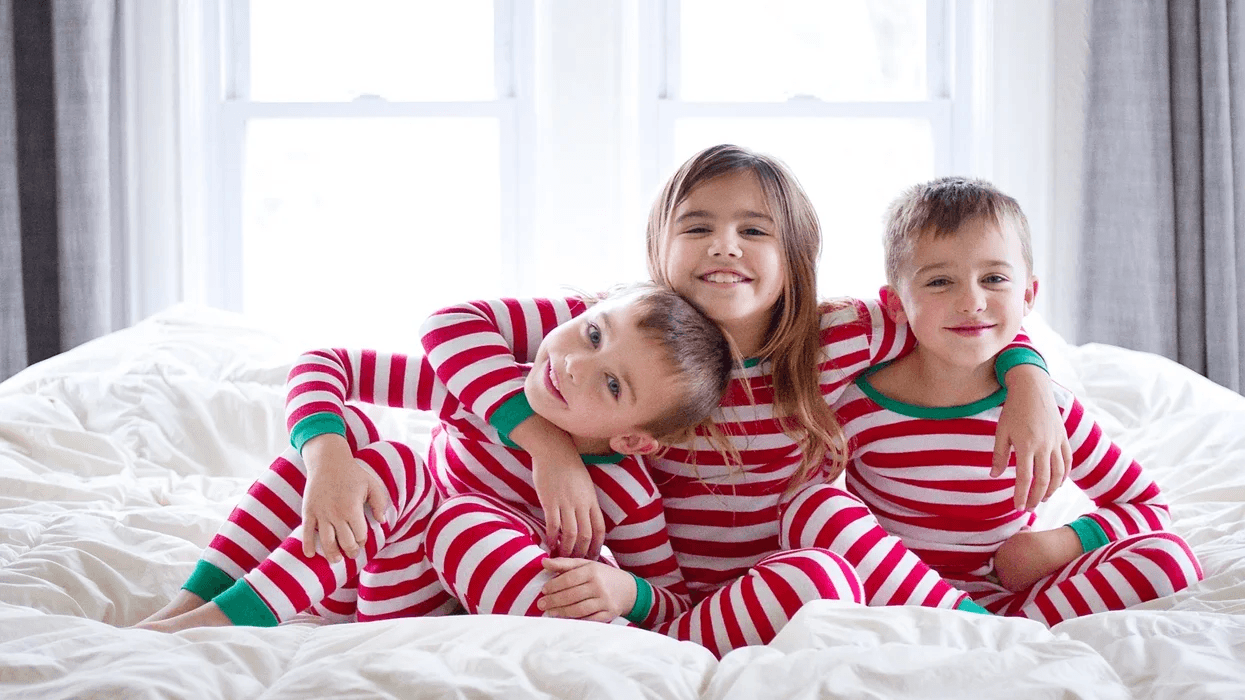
725, 243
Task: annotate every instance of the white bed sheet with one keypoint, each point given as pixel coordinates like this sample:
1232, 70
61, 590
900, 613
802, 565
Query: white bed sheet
119, 459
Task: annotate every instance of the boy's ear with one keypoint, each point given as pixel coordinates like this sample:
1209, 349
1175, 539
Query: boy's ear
892, 304
634, 444
1031, 293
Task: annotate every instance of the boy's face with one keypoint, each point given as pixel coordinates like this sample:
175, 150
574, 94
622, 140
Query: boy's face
596, 376
965, 295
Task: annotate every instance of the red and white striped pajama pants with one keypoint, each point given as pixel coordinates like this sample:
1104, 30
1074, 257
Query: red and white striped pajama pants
489, 556
820, 515
262, 540
1114, 576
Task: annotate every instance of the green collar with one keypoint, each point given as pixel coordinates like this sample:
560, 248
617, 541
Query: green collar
928, 412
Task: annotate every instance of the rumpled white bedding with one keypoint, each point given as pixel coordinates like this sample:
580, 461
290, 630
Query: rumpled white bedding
119, 459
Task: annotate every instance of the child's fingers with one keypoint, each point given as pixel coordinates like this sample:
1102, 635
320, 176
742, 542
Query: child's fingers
579, 610
1024, 477
309, 536
1041, 479
1058, 470
598, 534
378, 500
1067, 459
568, 534
358, 530
1002, 450
582, 539
573, 602
565, 579
564, 595
328, 542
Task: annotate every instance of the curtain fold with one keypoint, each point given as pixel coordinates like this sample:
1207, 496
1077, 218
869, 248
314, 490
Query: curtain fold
61, 256
1163, 250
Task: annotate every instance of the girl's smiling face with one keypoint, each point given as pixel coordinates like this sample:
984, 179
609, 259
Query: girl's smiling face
598, 376
723, 254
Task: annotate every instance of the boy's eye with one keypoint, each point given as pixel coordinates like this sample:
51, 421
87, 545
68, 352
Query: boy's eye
940, 282
594, 334
994, 279
613, 385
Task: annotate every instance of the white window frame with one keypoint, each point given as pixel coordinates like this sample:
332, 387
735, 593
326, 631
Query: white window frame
958, 79
216, 108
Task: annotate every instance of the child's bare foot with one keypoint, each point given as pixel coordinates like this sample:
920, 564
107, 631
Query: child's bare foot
207, 615
183, 602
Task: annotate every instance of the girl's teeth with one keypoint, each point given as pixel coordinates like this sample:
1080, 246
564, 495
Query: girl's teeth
722, 277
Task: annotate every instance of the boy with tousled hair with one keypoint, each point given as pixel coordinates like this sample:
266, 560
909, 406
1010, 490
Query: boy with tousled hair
959, 268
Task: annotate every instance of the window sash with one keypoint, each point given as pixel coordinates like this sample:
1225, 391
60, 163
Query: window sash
223, 54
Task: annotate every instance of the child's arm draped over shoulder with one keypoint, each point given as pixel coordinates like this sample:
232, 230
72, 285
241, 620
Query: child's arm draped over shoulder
858, 334
1127, 503
319, 385
475, 349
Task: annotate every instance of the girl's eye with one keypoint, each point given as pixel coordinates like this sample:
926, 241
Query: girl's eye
614, 387
697, 230
754, 232
594, 334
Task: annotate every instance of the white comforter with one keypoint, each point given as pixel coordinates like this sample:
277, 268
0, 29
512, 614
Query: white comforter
119, 459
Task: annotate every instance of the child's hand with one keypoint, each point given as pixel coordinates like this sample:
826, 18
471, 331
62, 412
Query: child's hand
574, 524
1029, 555
333, 501
586, 590
1031, 424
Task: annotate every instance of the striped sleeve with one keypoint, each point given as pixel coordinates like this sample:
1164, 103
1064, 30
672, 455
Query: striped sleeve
857, 335
322, 381
1128, 502
476, 348
638, 538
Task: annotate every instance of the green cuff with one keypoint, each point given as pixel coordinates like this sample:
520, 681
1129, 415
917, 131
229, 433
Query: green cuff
969, 605
315, 425
509, 415
243, 606
1012, 357
1090, 533
207, 581
643, 601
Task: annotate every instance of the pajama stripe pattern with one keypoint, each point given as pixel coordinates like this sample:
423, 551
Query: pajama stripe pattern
925, 476
723, 519
467, 455
262, 540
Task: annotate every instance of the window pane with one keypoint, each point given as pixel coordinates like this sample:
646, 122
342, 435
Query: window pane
329, 50
355, 230
835, 50
850, 168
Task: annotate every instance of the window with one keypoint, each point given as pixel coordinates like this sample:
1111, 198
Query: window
369, 161
366, 161
858, 97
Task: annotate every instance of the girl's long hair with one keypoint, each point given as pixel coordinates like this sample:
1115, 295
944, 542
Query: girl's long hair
793, 344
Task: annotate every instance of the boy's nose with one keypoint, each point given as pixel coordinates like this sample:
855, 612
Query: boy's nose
571, 367
973, 300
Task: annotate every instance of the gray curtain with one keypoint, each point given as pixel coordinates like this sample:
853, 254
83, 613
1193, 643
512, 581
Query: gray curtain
60, 243
1163, 248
